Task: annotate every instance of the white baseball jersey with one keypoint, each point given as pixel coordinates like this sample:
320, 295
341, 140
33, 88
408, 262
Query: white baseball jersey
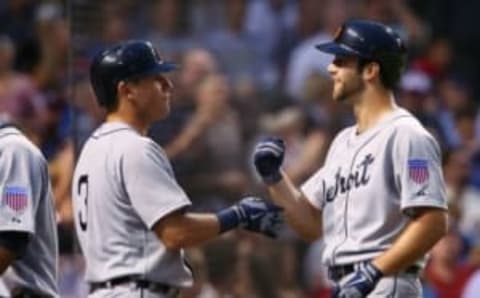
27, 206
123, 184
369, 184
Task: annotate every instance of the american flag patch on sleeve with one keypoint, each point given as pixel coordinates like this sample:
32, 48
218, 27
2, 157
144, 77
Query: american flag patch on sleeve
16, 198
418, 170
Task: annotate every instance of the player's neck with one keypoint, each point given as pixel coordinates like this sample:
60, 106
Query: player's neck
128, 119
372, 107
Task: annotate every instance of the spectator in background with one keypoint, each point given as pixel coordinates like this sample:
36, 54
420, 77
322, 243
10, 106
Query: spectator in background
271, 25
202, 117
223, 261
306, 145
114, 29
454, 94
187, 121
465, 127
53, 36
447, 273
398, 15
169, 27
233, 48
320, 109
463, 199
202, 287
315, 273
305, 60
111, 28
416, 96
18, 95
436, 60
205, 16
219, 160
16, 20
87, 114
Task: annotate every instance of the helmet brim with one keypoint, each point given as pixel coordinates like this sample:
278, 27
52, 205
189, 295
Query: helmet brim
337, 49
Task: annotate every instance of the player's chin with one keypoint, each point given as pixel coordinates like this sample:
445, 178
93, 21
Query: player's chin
337, 96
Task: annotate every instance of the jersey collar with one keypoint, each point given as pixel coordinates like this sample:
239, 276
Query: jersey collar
109, 127
382, 123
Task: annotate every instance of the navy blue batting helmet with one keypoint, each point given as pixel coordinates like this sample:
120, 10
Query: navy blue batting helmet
129, 60
370, 41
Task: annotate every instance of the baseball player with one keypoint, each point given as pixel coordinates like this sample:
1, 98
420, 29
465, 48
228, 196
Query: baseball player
129, 210
28, 231
379, 197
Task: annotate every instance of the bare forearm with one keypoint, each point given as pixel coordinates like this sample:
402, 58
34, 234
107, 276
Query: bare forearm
188, 229
6, 258
301, 216
415, 241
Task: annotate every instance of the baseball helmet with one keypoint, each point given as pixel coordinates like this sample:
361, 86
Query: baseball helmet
132, 59
370, 41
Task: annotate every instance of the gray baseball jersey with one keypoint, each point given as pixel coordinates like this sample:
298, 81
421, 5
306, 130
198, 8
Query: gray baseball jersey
123, 184
27, 206
371, 182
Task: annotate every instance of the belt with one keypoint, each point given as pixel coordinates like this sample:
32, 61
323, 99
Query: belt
27, 293
138, 283
337, 272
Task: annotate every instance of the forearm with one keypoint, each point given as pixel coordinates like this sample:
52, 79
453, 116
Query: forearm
414, 242
6, 258
300, 214
189, 229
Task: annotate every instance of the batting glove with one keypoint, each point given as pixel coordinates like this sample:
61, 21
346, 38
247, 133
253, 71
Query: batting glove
268, 157
253, 214
360, 284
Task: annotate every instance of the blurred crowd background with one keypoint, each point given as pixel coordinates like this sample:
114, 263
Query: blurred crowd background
248, 69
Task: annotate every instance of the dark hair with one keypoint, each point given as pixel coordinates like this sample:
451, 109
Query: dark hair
391, 69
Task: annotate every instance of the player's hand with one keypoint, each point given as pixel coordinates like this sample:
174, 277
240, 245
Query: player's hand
268, 158
260, 216
253, 214
361, 282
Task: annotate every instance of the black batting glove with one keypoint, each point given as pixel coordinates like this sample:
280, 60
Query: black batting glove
252, 214
360, 284
268, 158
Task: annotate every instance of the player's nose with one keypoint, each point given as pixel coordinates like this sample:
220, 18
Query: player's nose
332, 69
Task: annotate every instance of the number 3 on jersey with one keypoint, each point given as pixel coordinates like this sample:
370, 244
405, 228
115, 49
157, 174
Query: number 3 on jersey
82, 191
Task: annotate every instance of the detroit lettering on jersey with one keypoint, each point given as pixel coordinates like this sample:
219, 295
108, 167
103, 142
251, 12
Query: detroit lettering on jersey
355, 179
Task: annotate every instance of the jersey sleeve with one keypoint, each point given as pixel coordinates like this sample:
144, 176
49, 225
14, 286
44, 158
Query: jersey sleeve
314, 190
21, 176
150, 183
418, 171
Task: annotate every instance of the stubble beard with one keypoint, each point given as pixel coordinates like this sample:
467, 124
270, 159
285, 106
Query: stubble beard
350, 90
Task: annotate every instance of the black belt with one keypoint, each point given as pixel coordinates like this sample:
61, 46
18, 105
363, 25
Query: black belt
138, 283
337, 272
27, 293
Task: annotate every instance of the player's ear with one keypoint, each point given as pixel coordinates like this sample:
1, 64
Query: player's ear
125, 90
371, 71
